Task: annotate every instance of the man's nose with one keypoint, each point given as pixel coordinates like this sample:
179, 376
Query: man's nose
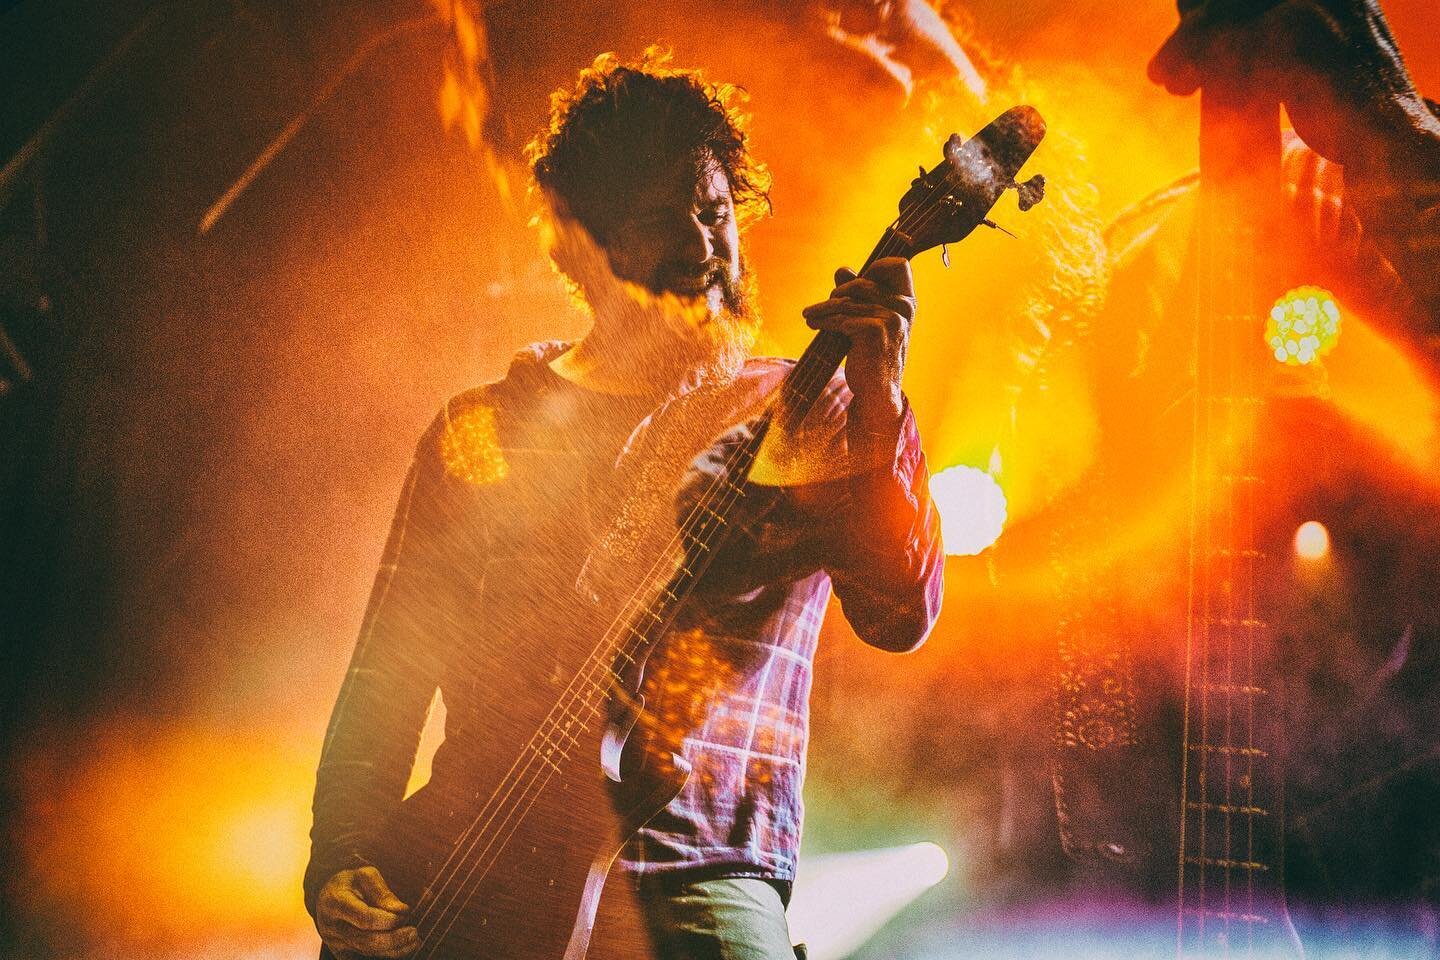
695, 243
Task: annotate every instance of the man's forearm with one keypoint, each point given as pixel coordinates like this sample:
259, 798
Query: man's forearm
890, 580
1393, 180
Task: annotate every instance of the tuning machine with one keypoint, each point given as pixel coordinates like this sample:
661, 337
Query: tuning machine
1030, 192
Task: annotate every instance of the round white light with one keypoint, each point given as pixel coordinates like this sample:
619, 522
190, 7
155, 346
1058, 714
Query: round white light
1312, 540
972, 509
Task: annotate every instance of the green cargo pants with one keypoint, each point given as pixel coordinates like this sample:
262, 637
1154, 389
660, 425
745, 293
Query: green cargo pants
721, 919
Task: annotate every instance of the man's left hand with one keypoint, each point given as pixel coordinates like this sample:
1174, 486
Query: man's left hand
875, 311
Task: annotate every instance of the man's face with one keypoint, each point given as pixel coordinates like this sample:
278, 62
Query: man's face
680, 237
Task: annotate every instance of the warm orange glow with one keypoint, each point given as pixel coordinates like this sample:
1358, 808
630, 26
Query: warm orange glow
1312, 540
259, 844
464, 99
469, 34
972, 509
1378, 385
683, 676
171, 835
470, 447
451, 98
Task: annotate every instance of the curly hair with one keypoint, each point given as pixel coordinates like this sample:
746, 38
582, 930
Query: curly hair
624, 124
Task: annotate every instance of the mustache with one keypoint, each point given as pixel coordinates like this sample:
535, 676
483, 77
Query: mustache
687, 276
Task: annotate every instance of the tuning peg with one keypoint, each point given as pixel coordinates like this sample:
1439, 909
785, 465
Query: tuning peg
1031, 192
995, 226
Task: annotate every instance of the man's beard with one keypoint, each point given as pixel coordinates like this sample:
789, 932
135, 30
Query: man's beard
669, 320
716, 338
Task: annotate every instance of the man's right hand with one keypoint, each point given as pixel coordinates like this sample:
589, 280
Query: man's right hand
358, 915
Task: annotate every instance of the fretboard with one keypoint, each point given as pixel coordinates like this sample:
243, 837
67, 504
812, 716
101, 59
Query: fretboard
1230, 869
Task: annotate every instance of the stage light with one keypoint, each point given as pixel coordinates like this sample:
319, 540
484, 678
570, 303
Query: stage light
1303, 326
972, 509
1312, 540
841, 900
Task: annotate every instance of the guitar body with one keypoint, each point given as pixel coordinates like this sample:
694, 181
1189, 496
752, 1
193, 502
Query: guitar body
525, 885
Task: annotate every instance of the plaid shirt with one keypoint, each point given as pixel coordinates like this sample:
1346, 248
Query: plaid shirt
510, 489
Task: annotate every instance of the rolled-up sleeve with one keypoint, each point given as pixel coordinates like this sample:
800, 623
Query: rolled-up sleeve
886, 557
878, 530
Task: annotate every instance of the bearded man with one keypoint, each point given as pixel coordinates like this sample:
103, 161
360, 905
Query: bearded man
647, 179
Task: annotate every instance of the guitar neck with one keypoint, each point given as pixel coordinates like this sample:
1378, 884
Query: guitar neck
1231, 831
792, 401
817, 365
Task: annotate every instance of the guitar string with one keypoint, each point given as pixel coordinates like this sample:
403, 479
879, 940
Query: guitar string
1223, 529
1206, 512
1229, 493
920, 219
1244, 390
1197, 632
1182, 866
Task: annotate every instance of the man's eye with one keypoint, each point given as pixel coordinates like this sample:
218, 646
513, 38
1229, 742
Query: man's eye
713, 215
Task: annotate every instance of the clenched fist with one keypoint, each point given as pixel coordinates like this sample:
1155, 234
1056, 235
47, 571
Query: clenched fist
358, 915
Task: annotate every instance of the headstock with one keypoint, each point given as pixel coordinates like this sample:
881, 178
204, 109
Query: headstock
945, 204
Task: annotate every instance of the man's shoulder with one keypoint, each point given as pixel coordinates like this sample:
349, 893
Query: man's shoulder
525, 376
472, 421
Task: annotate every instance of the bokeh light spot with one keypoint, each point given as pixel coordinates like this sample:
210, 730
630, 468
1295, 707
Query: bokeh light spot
470, 447
1312, 540
1303, 326
972, 509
